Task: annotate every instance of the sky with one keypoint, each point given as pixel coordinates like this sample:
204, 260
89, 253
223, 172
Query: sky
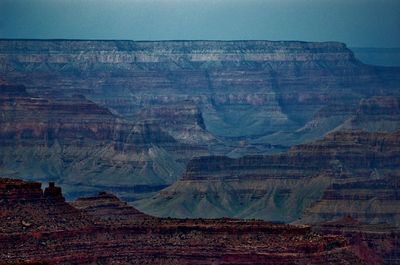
358, 23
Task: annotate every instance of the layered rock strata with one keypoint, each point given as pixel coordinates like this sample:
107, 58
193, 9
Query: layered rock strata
106, 207
266, 86
183, 99
80, 143
346, 173
104, 231
25, 209
374, 244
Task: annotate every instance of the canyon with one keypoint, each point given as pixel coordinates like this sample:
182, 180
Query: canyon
197, 152
128, 116
81, 144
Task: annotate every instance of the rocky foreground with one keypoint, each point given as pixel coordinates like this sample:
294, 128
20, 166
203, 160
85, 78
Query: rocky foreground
41, 227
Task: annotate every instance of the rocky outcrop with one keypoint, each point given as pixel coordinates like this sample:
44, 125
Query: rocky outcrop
105, 231
26, 209
346, 173
373, 244
18, 190
106, 207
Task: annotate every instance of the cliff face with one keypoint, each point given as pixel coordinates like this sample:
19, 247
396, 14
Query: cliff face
267, 87
149, 107
79, 142
346, 173
105, 230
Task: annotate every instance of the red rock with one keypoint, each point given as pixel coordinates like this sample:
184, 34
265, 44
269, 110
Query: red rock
108, 231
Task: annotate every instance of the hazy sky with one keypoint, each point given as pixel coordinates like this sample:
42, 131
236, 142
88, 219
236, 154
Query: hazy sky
355, 22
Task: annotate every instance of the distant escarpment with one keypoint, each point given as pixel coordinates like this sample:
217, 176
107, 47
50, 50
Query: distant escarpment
84, 145
40, 229
347, 173
269, 88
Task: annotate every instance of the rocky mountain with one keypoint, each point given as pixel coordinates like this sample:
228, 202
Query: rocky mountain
41, 228
347, 173
85, 146
266, 87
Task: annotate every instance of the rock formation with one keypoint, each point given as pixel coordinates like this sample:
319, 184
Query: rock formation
266, 87
105, 231
347, 173
78, 142
106, 207
25, 209
373, 244
128, 116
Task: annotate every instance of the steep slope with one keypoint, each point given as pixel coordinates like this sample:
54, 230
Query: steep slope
45, 229
361, 167
106, 207
84, 146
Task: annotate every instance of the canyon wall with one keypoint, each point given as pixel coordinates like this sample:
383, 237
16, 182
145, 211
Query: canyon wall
347, 173
127, 116
84, 145
267, 87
